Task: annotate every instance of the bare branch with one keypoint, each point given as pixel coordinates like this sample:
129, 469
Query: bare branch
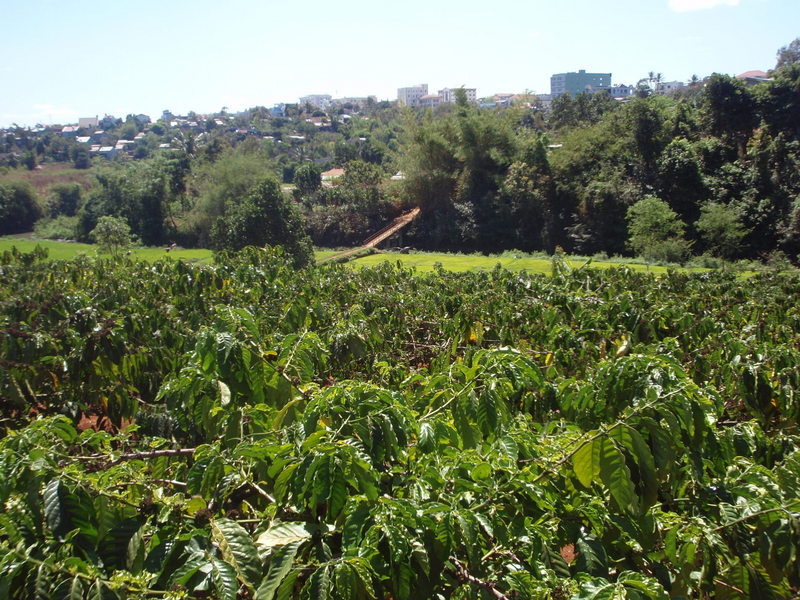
464, 576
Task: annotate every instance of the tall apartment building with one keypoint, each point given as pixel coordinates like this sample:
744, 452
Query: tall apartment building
448, 95
321, 101
574, 83
409, 96
429, 101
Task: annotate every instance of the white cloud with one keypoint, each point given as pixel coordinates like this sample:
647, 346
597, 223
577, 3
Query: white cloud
687, 5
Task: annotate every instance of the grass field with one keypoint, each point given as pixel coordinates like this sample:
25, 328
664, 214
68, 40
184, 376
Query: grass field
68, 250
42, 179
422, 262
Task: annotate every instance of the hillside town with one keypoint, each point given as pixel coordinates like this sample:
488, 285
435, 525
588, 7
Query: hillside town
109, 137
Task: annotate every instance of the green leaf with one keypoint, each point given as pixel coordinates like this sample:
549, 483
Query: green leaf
122, 546
42, 583
283, 533
632, 441
100, 591
283, 481
64, 430
481, 471
224, 577
616, 476
56, 509
204, 476
76, 589
591, 557
287, 586
586, 461
65, 512
420, 556
426, 441
187, 570
338, 494
353, 525
319, 584
279, 567
508, 447
642, 586
597, 589
553, 560
238, 550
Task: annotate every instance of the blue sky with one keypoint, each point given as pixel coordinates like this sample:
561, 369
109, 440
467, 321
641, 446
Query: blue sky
62, 59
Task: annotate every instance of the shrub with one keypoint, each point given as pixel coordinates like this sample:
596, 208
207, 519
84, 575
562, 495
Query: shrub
61, 227
112, 234
19, 207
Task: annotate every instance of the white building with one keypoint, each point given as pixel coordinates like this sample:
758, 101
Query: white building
320, 101
429, 101
88, 122
621, 91
448, 95
409, 96
667, 87
356, 101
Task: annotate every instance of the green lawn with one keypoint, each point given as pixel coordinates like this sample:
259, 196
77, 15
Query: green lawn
422, 262
466, 262
68, 250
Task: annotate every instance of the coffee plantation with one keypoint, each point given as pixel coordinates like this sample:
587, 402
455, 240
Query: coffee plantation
246, 430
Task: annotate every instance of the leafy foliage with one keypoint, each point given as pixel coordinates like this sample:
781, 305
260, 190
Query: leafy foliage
19, 207
111, 234
656, 231
245, 430
263, 217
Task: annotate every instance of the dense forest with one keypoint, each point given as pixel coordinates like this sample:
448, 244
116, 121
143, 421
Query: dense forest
712, 169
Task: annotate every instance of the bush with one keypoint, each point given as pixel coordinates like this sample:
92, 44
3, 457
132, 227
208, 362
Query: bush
61, 227
63, 199
707, 261
672, 250
721, 229
19, 207
656, 232
264, 217
112, 234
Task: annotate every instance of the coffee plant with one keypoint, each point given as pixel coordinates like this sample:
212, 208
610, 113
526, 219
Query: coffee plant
245, 430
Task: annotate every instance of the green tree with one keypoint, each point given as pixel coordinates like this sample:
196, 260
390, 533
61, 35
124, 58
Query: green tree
680, 178
721, 229
139, 193
729, 109
80, 157
63, 199
526, 218
645, 122
789, 54
112, 234
655, 231
582, 109
30, 160
264, 217
19, 207
779, 100
217, 186
307, 179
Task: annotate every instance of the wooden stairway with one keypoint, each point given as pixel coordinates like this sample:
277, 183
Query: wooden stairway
379, 236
